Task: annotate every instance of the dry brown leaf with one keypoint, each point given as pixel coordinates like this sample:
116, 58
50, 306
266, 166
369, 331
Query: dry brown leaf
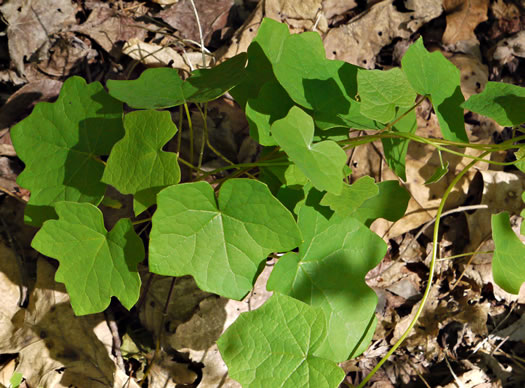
31, 25
213, 16
107, 27
55, 348
463, 16
157, 55
474, 74
362, 38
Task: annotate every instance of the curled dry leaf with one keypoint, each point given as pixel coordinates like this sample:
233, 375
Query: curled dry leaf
157, 55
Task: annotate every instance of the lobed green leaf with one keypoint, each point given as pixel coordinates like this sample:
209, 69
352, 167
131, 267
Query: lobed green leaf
60, 144
137, 162
94, 264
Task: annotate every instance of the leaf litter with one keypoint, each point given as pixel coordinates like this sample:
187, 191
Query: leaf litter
469, 332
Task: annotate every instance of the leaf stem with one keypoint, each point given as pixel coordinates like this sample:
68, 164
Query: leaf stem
190, 126
431, 270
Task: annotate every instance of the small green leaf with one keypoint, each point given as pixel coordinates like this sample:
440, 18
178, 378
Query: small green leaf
282, 339
505, 103
15, 380
94, 264
137, 161
507, 264
321, 162
431, 74
396, 149
391, 204
520, 159
329, 273
383, 92
220, 245
440, 172
352, 197
60, 144
163, 88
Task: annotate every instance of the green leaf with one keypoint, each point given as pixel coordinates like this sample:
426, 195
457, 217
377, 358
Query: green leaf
352, 197
289, 175
271, 104
163, 88
282, 339
431, 74
220, 245
329, 272
507, 264
145, 198
328, 87
94, 264
520, 159
264, 50
440, 172
505, 103
60, 144
382, 93
522, 214
137, 161
391, 204
321, 162
15, 380
395, 150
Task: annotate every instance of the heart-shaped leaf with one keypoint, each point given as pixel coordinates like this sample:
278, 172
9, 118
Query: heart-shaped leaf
220, 244
383, 92
329, 272
283, 340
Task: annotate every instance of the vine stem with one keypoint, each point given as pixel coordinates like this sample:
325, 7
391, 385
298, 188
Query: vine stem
431, 271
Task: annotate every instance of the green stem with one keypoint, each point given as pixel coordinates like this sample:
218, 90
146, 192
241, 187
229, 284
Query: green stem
430, 270
436, 143
179, 135
204, 138
138, 222
190, 125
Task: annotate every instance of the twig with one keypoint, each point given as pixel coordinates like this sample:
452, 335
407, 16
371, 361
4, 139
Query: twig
200, 32
117, 343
